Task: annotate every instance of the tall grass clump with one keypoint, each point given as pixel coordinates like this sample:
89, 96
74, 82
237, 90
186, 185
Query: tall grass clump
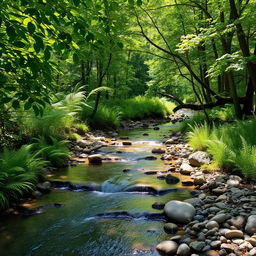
198, 136
141, 107
223, 113
19, 170
52, 150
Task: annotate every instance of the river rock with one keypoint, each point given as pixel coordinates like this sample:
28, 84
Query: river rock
252, 252
238, 222
186, 169
212, 224
170, 141
234, 234
170, 228
199, 158
171, 179
233, 181
199, 180
220, 218
44, 186
183, 250
197, 246
167, 247
158, 151
194, 201
127, 143
158, 205
83, 143
95, 159
250, 227
179, 211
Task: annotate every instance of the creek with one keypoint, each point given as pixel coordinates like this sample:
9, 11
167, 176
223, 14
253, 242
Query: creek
81, 226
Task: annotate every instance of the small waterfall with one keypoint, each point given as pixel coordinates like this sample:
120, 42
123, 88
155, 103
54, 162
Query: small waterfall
115, 184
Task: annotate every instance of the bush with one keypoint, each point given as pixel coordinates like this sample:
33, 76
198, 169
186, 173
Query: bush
81, 128
52, 150
18, 173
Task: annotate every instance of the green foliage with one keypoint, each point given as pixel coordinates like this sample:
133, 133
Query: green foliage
198, 136
18, 173
81, 128
224, 114
74, 136
52, 150
246, 160
141, 107
57, 119
106, 117
196, 120
231, 145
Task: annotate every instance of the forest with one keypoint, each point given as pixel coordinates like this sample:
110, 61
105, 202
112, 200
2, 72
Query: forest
102, 85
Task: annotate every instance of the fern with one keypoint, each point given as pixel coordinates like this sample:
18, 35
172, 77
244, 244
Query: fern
99, 89
52, 150
18, 173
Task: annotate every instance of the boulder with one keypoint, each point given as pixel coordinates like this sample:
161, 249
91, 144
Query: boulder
83, 143
95, 159
183, 250
250, 227
171, 179
199, 158
186, 169
158, 151
179, 212
167, 247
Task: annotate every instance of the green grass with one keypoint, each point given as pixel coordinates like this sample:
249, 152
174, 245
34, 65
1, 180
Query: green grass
81, 128
19, 170
231, 145
52, 150
198, 136
111, 112
74, 136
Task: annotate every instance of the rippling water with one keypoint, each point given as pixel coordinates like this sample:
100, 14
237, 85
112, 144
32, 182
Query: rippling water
75, 229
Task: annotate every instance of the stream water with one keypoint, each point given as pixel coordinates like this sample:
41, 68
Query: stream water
75, 229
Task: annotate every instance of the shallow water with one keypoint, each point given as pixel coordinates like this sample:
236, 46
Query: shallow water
74, 228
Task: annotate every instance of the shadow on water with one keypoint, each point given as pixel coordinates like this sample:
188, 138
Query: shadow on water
80, 226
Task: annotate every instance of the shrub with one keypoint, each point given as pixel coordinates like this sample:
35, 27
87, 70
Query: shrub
19, 170
196, 120
52, 150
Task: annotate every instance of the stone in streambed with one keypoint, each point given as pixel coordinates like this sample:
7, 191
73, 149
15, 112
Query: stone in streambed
199, 158
197, 246
44, 186
167, 247
95, 159
158, 205
170, 228
127, 143
179, 212
234, 234
186, 169
250, 227
158, 151
183, 250
171, 179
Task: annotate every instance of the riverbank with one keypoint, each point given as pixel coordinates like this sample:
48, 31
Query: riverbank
221, 220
